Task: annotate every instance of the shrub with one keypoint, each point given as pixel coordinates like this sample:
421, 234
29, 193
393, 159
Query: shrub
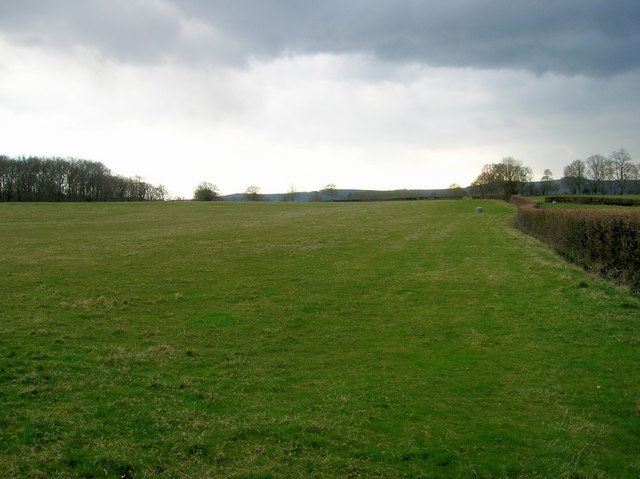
206, 192
606, 242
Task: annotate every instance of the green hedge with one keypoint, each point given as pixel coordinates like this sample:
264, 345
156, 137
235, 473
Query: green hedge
594, 200
606, 242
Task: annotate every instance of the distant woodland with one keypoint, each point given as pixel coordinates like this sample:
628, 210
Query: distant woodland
69, 179
57, 179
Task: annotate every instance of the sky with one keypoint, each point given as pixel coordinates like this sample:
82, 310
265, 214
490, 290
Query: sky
282, 94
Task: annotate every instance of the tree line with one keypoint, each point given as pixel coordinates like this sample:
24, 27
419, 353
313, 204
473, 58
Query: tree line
615, 174
70, 179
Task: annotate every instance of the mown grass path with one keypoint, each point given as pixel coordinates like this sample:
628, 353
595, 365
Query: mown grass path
409, 339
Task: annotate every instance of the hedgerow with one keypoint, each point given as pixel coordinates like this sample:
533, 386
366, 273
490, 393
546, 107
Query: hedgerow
605, 242
593, 200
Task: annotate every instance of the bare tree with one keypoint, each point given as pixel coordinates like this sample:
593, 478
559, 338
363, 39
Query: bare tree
253, 194
575, 175
513, 175
290, 195
158, 193
330, 190
547, 179
599, 171
455, 190
315, 196
487, 182
623, 169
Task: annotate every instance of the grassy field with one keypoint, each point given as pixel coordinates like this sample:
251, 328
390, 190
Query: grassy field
402, 339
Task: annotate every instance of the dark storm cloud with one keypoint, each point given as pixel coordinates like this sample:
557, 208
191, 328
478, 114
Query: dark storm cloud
568, 37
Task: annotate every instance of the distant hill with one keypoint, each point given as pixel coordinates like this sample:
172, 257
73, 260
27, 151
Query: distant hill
534, 188
347, 195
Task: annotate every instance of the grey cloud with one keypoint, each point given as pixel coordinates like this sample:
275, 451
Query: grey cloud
569, 37
130, 31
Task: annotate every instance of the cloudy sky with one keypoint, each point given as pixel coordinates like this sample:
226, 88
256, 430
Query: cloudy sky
380, 94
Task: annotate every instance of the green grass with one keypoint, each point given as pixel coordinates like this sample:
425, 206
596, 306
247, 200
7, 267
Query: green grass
397, 339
